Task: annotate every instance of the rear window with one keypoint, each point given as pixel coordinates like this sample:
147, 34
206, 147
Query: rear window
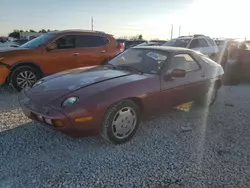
170, 43
178, 43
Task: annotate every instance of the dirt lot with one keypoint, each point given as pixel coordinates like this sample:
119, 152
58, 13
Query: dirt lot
202, 148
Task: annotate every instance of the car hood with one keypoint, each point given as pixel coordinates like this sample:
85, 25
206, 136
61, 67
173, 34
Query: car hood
6, 48
60, 84
12, 51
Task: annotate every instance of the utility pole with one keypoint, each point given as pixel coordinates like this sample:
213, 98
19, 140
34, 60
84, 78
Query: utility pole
92, 23
179, 31
172, 31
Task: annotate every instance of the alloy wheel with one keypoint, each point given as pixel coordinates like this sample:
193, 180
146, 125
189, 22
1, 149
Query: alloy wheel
26, 79
124, 122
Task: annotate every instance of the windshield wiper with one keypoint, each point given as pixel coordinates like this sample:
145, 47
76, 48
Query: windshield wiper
130, 68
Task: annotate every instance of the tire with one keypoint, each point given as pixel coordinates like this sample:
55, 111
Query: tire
210, 97
105, 61
20, 72
113, 122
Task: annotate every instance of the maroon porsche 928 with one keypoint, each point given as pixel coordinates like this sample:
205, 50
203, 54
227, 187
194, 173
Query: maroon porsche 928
111, 99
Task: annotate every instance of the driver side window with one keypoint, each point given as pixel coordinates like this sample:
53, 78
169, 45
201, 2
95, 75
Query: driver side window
66, 42
184, 62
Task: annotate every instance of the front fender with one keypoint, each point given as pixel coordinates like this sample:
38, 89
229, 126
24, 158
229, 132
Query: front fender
97, 98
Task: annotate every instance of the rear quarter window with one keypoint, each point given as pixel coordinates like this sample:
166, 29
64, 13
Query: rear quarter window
208, 61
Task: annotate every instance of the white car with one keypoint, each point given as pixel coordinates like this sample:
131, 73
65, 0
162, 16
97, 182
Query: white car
8, 45
200, 43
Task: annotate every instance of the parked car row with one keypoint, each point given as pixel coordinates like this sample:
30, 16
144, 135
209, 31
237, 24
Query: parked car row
131, 43
20, 41
5, 45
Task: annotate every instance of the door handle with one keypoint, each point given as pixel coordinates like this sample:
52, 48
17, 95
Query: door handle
103, 51
76, 53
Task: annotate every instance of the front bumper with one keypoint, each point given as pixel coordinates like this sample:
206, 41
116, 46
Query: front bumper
4, 72
33, 110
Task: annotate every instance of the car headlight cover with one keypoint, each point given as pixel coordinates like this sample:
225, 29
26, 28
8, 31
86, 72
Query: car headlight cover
69, 101
38, 83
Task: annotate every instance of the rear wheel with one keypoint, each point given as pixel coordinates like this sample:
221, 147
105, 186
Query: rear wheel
24, 76
210, 96
121, 122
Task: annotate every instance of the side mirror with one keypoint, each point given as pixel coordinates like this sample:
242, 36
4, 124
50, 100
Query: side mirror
178, 73
51, 46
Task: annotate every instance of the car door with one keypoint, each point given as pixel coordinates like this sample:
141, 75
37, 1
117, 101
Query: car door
183, 89
92, 50
62, 58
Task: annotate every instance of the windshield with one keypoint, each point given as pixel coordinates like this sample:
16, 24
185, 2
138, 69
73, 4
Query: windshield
178, 43
143, 60
36, 42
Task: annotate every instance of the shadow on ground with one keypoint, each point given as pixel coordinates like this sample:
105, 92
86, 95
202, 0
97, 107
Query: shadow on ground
6, 90
213, 153
8, 98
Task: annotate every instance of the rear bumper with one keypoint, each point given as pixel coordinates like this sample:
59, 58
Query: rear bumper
4, 72
32, 110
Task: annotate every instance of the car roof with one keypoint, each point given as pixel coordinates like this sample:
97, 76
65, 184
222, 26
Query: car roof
194, 37
164, 48
78, 31
184, 38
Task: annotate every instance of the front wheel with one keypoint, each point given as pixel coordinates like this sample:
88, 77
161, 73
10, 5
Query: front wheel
121, 122
23, 77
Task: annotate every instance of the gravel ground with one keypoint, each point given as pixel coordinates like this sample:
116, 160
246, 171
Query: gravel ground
202, 148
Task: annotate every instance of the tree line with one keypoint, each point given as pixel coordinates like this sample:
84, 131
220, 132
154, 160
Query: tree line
16, 32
